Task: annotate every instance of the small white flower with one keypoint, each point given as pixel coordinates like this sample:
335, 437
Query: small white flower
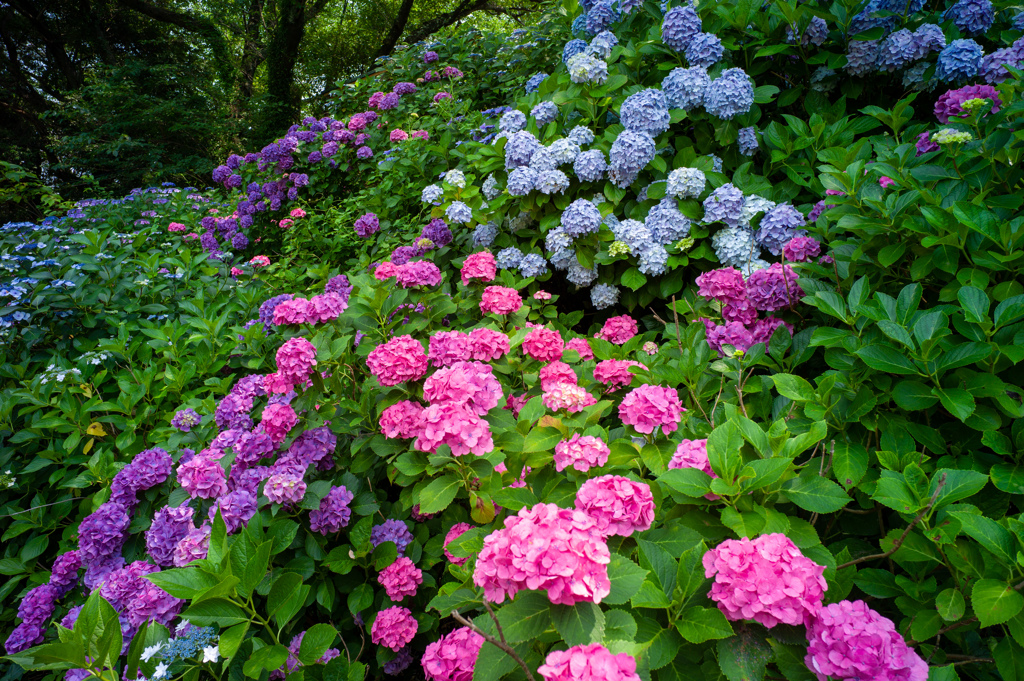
152, 650
182, 626
211, 654
161, 671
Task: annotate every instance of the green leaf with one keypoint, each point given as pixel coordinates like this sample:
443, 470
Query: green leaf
744, 657
437, 495
183, 582
219, 611
231, 639
957, 401
514, 498
959, 484
578, 624
995, 601
492, 663
699, 624
815, 494
975, 303
886, 358
619, 626
317, 639
625, 577
661, 563
525, 618
542, 440
255, 569
633, 279
688, 481
950, 605
660, 645
913, 395
850, 463
269, 658
1010, 310
1009, 659
990, 534
830, 303
1008, 478
794, 387
690, 576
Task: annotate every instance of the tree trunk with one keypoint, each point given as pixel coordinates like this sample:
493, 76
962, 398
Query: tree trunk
282, 54
252, 57
396, 30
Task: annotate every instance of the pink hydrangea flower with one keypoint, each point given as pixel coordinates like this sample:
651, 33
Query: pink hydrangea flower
458, 529
725, 285
694, 454
399, 360
765, 579
545, 548
487, 345
500, 300
886, 182
650, 406
285, 489
765, 328
418, 273
592, 662
582, 452
467, 383
452, 657
441, 95
448, 347
286, 223
480, 266
176, 227
582, 348
544, 345
618, 505
419, 135
260, 261
774, 288
401, 420
394, 628
399, 135
297, 213
385, 271
571, 398
618, 330
194, 546
515, 403
615, 373
278, 419
801, 249
400, 579
542, 295
203, 477
295, 360
455, 425
556, 372
849, 640
740, 310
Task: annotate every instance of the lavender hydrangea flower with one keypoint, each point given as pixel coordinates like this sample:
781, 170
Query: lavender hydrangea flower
552, 181
459, 213
533, 84
490, 188
563, 259
581, 136
584, 68
778, 226
564, 151
704, 49
601, 15
236, 508
862, 57
573, 48
391, 530
533, 265
603, 296
630, 153
590, 165
896, 51
581, 217
972, 17
602, 44
484, 235
557, 240
512, 121
508, 258
686, 183
645, 111
928, 38
653, 260
685, 88
747, 141
399, 663
729, 95
542, 160
64, 573
522, 181
438, 232
735, 246
724, 205
185, 419
679, 26
267, 315
519, 149
333, 513
958, 61
579, 275
815, 33
666, 223
102, 533
544, 113
633, 234
752, 205
870, 18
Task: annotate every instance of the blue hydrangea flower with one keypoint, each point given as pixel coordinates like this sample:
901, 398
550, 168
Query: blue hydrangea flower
645, 111
604, 296
602, 15
484, 235
666, 223
653, 260
631, 152
928, 38
716, 163
686, 183
815, 33
533, 265
581, 136
704, 49
455, 178
685, 88
459, 213
544, 113
959, 60
543, 160
552, 181
627, 6
557, 240
901, 6
579, 27
432, 194
914, 77
579, 275
867, 19
581, 217
490, 189
508, 258
590, 165
602, 44
561, 260
1018, 22
512, 121
752, 205
778, 226
522, 181
862, 57
533, 84
584, 68
972, 17
729, 95
679, 26
724, 205
634, 234
564, 151
747, 141
734, 246
572, 48
897, 50
519, 149
391, 530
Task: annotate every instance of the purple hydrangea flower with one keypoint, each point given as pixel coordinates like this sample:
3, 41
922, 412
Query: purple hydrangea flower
391, 530
333, 513
185, 419
972, 17
704, 49
679, 26
630, 153
645, 111
724, 205
685, 88
170, 525
778, 226
747, 141
729, 95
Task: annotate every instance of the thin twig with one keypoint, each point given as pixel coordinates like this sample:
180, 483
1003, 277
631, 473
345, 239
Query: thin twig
972, 660
899, 542
493, 641
675, 314
721, 387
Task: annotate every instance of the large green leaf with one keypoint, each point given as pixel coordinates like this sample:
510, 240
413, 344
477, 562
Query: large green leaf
315, 642
744, 657
815, 494
625, 577
794, 387
995, 601
989, 534
219, 611
959, 485
439, 493
886, 358
578, 624
526, 617
699, 624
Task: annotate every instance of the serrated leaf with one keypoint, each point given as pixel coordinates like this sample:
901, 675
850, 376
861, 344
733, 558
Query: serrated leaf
699, 624
578, 624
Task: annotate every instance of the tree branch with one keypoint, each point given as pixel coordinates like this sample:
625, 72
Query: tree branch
899, 542
502, 644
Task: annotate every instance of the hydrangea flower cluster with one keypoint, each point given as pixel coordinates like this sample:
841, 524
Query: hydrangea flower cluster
591, 662
400, 579
394, 628
453, 656
394, 531
649, 407
333, 513
545, 548
618, 505
581, 452
618, 330
399, 360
